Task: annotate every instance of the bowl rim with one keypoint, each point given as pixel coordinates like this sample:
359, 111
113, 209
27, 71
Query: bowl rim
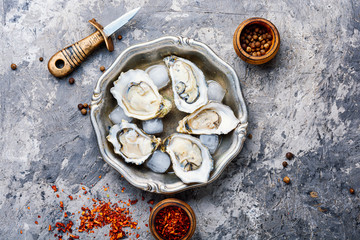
173, 202
149, 185
275, 41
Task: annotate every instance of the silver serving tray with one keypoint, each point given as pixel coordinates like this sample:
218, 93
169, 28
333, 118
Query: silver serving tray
140, 57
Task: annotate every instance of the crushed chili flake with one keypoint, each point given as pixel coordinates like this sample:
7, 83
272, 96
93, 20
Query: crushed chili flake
39, 216
100, 176
83, 188
54, 188
105, 189
151, 201
172, 223
65, 215
105, 213
49, 228
20, 231
57, 195
150, 209
146, 225
132, 202
85, 192
137, 235
36, 222
142, 198
71, 198
28, 208
61, 204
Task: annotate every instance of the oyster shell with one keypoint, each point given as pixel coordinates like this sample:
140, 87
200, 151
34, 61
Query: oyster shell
138, 96
191, 160
132, 143
213, 118
188, 84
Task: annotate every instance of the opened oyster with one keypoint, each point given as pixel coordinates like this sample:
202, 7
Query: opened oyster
132, 143
191, 161
188, 84
138, 96
213, 118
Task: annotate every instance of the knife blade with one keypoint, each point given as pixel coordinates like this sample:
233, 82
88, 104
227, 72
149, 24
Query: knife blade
66, 60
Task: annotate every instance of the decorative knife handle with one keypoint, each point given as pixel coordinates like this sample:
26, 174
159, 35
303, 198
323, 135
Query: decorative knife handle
65, 61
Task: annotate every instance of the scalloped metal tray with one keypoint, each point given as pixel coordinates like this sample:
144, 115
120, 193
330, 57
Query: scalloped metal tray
140, 57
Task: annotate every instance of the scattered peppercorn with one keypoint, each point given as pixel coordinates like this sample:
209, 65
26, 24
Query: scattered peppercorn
83, 111
119, 37
286, 180
71, 81
289, 155
102, 68
256, 40
284, 164
41, 59
85, 105
13, 66
80, 106
352, 191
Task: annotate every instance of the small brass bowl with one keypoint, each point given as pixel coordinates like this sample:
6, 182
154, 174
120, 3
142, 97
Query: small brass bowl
271, 52
172, 202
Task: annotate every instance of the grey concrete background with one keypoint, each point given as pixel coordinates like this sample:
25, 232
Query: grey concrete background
306, 101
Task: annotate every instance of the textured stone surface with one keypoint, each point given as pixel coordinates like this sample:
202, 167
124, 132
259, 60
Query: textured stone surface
306, 101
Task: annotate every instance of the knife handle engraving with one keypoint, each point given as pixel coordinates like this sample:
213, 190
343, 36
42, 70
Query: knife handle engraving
66, 60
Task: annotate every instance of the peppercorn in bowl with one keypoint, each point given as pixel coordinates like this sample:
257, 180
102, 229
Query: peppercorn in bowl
256, 41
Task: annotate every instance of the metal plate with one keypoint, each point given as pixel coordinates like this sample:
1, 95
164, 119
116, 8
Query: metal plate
142, 56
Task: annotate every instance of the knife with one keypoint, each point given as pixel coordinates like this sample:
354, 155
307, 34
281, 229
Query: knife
66, 60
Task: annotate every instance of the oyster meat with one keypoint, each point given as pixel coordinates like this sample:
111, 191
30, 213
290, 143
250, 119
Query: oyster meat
132, 143
138, 96
213, 118
191, 161
188, 84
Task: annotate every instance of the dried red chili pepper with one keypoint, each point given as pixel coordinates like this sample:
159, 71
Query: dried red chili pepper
151, 201
172, 223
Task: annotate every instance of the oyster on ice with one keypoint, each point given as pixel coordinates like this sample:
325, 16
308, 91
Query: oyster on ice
132, 143
213, 118
191, 160
188, 84
138, 96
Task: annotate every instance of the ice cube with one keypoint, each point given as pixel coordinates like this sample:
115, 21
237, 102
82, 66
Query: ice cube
210, 141
153, 126
118, 114
159, 162
215, 91
159, 75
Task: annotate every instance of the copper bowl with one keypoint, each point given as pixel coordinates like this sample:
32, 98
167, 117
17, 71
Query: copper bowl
271, 52
170, 202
